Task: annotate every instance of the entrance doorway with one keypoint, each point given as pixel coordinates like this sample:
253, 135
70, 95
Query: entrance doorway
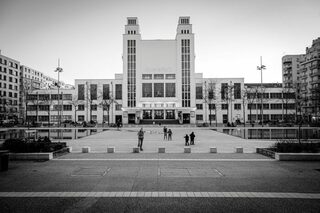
131, 118
119, 118
186, 118
225, 118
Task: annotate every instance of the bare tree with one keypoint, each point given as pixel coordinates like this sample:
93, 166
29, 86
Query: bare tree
251, 98
288, 95
75, 103
209, 98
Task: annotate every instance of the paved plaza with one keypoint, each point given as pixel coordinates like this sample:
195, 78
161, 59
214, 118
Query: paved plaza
151, 182
161, 182
124, 139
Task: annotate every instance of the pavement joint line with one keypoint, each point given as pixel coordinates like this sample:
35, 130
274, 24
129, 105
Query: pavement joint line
164, 194
162, 159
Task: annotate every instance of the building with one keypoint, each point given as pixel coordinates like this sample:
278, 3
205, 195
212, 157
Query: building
9, 87
307, 81
290, 69
278, 103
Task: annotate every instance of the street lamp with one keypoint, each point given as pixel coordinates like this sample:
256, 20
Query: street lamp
58, 70
261, 67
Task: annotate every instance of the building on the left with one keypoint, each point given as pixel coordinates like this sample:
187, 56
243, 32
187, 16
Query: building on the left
17, 81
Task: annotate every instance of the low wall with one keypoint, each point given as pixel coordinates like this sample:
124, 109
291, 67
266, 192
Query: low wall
266, 152
31, 156
297, 156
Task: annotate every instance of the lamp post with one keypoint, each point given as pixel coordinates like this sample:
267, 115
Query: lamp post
58, 70
261, 67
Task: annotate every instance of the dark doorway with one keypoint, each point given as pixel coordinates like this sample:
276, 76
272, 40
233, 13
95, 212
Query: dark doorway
131, 118
119, 118
186, 118
225, 118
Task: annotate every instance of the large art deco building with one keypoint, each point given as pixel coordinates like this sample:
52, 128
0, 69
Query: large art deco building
158, 84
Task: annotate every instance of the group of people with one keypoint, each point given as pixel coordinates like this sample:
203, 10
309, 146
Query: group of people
186, 138
167, 134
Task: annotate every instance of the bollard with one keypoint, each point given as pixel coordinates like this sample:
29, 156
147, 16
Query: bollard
213, 149
111, 149
86, 149
187, 149
161, 150
69, 149
136, 149
239, 150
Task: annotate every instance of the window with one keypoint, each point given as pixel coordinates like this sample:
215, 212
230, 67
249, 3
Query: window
158, 114
67, 107
158, 90
170, 76
199, 106
147, 90
118, 91
158, 76
32, 107
118, 107
237, 91
276, 106
94, 117
224, 91
81, 107
276, 116
289, 106
212, 106
80, 91
80, 117
105, 91
212, 117
170, 90
93, 91
224, 106
199, 91
147, 114
146, 76
199, 117
67, 97
170, 114
252, 106
237, 106
93, 107
44, 108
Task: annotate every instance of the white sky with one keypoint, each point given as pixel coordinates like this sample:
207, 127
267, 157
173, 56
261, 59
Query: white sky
230, 35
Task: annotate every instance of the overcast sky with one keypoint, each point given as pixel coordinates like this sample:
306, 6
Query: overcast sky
230, 35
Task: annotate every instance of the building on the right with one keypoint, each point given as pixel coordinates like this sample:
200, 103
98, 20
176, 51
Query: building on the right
302, 74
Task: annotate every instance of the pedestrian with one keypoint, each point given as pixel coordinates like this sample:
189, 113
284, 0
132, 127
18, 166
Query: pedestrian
169, 135
118, 124
165, 133
186, 140
140, 138
192, 136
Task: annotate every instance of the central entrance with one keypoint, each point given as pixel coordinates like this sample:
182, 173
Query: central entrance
186, 118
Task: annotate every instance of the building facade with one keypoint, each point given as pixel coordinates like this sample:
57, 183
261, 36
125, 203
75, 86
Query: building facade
159, 85
9, 88
290, 69
307, 84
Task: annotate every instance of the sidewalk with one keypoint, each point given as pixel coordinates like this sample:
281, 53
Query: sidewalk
171, 183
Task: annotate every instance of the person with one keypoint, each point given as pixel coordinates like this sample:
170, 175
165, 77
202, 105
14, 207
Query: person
140, 138
118, 124
169, 135
165, 133
192, 136
186, 140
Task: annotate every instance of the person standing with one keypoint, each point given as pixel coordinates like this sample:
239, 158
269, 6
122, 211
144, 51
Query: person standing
186, 140
165, 133
140, 138
169, 135
192, 136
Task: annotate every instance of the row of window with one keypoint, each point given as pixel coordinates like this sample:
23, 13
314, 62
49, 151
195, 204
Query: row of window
266, 117
11, 64
8, 102
93, 92
44, 97
251, 106
158, 90
158, 76
11, 79
10, 94
271, 95
80, 107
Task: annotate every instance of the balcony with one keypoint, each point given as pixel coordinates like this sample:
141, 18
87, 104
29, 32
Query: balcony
315, 81
304, 76
316, 73
315, 66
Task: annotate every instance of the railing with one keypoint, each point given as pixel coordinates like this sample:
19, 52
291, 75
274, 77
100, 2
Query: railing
271, 133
